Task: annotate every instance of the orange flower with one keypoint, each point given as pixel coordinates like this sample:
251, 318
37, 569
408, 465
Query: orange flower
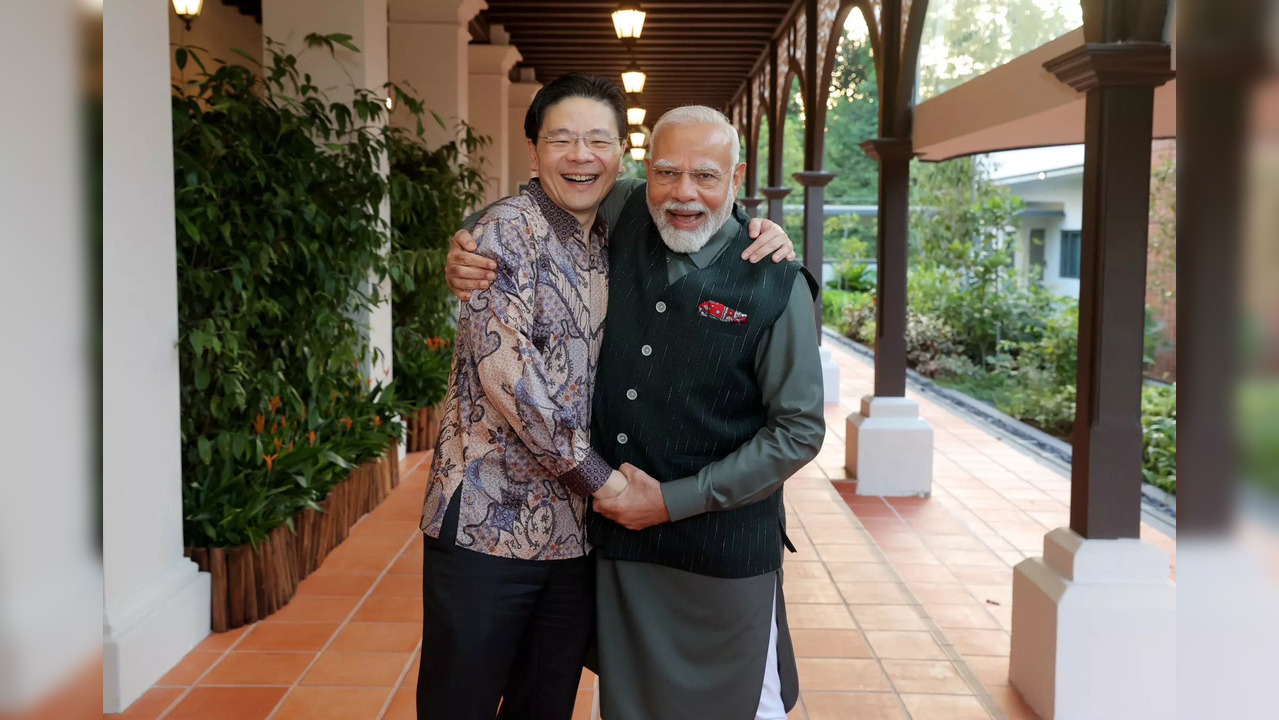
436, 343
275, 427
348, 422
311, 436
275, 403
284, 421
377, 421
290, 446
278, 443
270, 460
259, 423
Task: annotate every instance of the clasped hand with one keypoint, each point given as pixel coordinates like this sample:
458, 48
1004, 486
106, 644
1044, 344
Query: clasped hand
640, 505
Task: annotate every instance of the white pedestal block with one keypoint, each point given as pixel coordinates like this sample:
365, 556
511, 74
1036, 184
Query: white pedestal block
889, 448
1094, 630
830, 377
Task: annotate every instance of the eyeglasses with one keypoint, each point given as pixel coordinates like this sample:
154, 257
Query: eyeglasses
705, 179
596, 142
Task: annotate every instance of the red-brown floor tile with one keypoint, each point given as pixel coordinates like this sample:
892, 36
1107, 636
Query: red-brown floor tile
938, 543
944, 707
288, 637
400, 530
970, 557
1011, 702
834, 617
925, 676
818, 643
798, 569
971, 616
328, 584
934, 594
403, 705
389, 609
190, 668
910, 556
582, 709
149, 707
377, 637
400, 586
845, 674
227, 703
1001, 593
858, 572
406, 565
221, 641
982, 574
845, 706
410, 678
333, 703
315, 608
811, 590
937, 574
979, 642
901, 645
259, 668
587, 681
872, 593
887, 617
991, 671
846, 553
357, 669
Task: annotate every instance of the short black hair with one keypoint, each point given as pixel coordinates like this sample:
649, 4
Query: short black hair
591, 87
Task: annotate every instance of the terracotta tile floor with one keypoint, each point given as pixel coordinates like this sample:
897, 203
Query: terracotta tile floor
899, 609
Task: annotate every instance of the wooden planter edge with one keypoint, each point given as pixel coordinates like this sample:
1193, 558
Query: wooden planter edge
251, 583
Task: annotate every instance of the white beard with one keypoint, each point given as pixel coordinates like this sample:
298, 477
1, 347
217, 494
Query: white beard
690, 241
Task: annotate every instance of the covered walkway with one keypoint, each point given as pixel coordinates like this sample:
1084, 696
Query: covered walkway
900, 608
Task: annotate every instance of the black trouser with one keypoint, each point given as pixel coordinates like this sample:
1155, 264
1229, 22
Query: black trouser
499, 630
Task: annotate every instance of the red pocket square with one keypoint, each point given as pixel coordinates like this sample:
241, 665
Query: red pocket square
721, 312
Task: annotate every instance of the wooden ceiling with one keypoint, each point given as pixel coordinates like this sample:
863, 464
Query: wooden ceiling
693, 52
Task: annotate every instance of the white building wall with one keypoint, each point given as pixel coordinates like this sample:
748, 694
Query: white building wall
1060, 187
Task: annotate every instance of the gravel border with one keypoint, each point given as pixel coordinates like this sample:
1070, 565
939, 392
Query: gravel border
1158, 507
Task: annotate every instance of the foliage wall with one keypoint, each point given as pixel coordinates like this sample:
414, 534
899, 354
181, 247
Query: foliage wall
279, 232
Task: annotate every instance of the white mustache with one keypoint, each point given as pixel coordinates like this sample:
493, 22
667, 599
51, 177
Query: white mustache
686, 207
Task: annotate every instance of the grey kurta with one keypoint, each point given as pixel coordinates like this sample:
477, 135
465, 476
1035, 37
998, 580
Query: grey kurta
673, 644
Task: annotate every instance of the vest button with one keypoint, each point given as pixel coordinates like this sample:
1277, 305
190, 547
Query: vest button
621, 438
631, 394
646, 350
661, 306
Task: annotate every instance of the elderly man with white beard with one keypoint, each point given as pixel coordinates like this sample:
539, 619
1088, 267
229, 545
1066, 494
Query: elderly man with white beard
708, 396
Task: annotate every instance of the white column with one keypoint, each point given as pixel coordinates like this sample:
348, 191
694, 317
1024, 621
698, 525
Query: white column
290, 21
521, 97
428, 53
156, 602
1094, 632
490, 82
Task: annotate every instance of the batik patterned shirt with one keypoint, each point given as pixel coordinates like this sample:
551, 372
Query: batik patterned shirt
515, 436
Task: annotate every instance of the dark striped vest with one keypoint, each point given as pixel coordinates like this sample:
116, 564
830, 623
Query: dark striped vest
676, 390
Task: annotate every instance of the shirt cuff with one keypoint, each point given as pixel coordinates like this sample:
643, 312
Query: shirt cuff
588, 476
683, 498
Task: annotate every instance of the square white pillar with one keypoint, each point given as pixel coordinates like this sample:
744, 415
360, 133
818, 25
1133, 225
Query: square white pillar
156, 603
490, 67
521, 96
428, 52
1094, 630
889, 448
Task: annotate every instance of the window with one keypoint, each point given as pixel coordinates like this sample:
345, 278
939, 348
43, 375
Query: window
1071, 251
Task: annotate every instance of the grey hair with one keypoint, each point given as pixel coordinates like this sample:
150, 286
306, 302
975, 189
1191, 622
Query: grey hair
696, 114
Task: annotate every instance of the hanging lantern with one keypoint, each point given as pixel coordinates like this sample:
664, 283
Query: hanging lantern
628, 21
637, 154
189, 10
633, 78
637, 136
635, 115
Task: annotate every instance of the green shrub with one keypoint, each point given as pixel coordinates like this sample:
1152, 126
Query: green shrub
278, 230
854, 277
835, 304
1258, 423
1159, 436
930, 342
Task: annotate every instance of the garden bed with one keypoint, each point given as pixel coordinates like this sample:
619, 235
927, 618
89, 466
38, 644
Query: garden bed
250, 583
423, 428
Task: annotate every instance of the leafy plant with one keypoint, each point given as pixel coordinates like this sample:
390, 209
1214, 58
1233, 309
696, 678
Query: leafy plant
431, 191
280, 252
1159, 436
